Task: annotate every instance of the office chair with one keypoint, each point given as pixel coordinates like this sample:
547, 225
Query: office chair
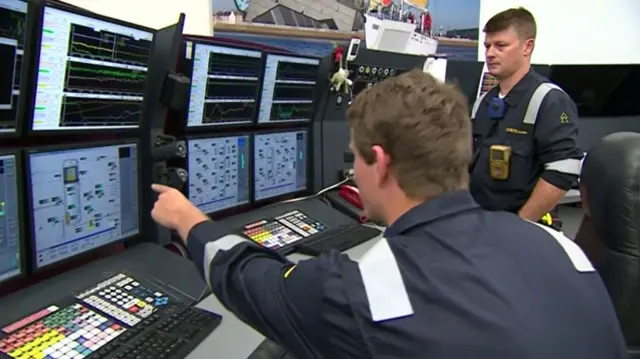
610, 230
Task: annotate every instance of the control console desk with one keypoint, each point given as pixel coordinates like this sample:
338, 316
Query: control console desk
233, 339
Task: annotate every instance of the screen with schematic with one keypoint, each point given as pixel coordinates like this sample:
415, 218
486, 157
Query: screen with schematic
288, 89
280, 161
218, 172
90, 74
225, 85
13, 14
10, 238
82, 199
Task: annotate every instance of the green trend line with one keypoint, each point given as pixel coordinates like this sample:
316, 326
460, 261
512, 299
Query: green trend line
288, 112
116, 73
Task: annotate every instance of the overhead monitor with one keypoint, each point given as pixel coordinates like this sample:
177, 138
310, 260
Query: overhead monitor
81, 199
225, 85
11, 239
91, 72
13, 14
218, 172
280, 163
288, 89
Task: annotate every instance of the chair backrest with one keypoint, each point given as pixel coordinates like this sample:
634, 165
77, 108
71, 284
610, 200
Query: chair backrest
610, 231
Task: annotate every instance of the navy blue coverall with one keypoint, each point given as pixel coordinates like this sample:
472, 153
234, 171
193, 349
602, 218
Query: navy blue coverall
449, 281
547, 148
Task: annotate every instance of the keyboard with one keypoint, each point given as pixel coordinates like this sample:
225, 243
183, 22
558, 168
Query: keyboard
339, 238
171, 335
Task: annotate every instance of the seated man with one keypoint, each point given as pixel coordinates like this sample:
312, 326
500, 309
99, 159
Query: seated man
449, 280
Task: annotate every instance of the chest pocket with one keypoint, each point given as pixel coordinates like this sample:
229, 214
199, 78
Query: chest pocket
520, 164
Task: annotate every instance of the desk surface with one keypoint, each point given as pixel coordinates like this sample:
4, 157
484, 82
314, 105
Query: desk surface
234, 339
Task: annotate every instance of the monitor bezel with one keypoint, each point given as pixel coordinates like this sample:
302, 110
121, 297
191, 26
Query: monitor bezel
37, 44
230, 210
25, 86
24, 240
29, 198
309, 167
211, 127
316, 93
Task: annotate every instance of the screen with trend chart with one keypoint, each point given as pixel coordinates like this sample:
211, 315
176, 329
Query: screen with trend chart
9, 219
288, 89
218, 172
82, 199
13, 15
91, 73
224, 85
280, 163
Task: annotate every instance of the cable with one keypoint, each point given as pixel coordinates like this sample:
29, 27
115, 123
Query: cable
348, 178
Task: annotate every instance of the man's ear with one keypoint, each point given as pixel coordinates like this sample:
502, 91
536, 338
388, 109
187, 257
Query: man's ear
382, 162
529, 45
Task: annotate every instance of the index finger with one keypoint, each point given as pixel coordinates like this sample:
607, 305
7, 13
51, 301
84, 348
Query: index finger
160, 188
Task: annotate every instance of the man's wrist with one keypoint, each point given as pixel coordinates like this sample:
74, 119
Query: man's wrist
188, 220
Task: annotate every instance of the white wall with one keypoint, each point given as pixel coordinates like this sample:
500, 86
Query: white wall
577, 31
155, 13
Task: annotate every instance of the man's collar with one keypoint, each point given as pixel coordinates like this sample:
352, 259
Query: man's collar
434, 209
520, 89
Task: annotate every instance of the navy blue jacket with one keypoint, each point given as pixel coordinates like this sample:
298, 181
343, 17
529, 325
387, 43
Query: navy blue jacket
546, 149
449, 281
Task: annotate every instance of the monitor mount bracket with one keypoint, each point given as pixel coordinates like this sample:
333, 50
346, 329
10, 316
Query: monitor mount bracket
174, 96
167, 148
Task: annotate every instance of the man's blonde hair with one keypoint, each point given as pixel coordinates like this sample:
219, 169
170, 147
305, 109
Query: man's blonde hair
423, 125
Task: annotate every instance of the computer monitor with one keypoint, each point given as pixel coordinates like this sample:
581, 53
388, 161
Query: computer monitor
280, 164
218, 172
91, 71
11, 239
288, 89
81, 198
13, 14
225, 85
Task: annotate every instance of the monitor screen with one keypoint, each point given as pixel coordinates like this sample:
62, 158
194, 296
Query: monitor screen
10, 239
13, 14
82, 199
225, 85
218, 172
280, 163
288, 89
90, 73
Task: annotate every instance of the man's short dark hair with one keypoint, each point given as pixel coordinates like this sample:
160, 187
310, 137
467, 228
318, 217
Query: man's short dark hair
519, 19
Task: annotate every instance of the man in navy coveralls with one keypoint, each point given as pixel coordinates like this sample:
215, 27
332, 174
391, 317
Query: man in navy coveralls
449, 280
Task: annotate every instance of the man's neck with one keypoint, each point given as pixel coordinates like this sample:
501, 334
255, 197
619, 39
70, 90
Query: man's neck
510, 82
396, 210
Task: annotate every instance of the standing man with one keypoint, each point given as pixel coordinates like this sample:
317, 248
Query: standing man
449, 280
525, 130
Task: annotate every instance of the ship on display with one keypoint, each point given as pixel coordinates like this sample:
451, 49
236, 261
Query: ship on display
404, 27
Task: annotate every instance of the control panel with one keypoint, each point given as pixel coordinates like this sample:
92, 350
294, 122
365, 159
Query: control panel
282, 232
120, 317
366, 76
124, 298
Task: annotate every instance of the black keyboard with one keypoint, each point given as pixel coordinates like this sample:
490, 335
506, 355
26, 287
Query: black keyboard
173, 334
340, 238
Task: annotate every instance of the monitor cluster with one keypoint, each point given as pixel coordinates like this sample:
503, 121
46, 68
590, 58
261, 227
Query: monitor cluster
256, 107
247, 128
235, 86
